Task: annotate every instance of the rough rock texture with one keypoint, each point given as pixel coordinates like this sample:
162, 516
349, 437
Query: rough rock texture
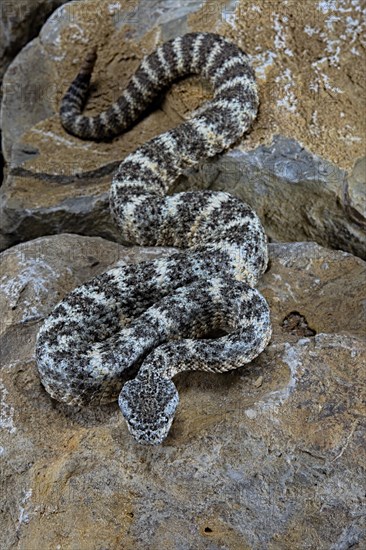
297, 195
1, 165
310, 59
309, 71
21, 21
268, 457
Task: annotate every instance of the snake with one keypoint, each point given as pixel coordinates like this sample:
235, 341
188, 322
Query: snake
124, 334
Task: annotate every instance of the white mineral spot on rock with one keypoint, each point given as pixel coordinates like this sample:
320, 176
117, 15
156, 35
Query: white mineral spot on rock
303, 341
113, 7
289, 101
328, 85
350, 139
251, 413
327, 5
256, 8
56, 138
355, 51
310, 31
291, 358
289, 290
314, 123
280, 37
6, 411
78, 35
229, 13
262, 61
23, 515
275, 399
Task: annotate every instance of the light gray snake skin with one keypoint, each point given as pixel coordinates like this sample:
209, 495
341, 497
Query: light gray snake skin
151, 318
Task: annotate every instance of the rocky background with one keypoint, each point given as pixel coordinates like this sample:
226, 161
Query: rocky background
20, 21
268, 457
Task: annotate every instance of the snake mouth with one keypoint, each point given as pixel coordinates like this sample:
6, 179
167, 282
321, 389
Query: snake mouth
150, 435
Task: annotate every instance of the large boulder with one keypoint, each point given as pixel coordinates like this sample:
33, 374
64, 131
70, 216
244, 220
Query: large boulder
20, 21
295, 167
268, 456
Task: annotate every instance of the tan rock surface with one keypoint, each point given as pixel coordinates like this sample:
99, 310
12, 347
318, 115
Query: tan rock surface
56, 182
310, 59
270, 456
21, 21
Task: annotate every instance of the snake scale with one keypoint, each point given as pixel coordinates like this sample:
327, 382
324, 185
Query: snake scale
153, 320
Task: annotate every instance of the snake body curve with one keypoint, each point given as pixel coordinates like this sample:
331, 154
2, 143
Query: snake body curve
152, 318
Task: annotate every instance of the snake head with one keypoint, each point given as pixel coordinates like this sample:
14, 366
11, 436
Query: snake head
148, 404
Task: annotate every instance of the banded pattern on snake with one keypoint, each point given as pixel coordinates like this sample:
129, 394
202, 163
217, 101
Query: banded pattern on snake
152, 318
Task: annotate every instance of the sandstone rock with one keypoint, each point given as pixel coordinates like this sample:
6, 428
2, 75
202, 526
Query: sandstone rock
298, 195
58, 183
21, 21
356, 191
1, 165
270, 456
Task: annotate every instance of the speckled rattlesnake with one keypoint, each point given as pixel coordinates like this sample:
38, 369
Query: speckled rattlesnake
153, 315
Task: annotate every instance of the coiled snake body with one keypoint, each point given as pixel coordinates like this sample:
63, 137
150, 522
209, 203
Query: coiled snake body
152, 316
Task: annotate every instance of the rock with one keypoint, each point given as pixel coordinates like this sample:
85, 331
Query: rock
1, 165
307, 275
56, 182
268, 456
355, 193
298, 196
21, 21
